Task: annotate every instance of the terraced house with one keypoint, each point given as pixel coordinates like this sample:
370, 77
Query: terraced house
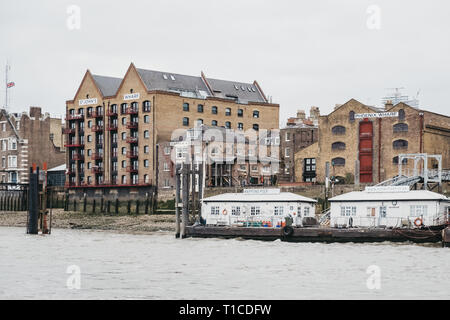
116, 125
374, 138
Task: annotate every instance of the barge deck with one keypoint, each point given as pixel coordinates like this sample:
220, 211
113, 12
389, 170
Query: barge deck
320, 234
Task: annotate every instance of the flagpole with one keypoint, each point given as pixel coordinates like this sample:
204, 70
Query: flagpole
6, 87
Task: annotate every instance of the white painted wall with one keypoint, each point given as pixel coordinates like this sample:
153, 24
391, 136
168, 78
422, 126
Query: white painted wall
395, 212
266, 213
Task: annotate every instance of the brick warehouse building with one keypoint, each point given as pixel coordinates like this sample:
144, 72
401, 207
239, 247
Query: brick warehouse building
27, 139
115, 125
375, 142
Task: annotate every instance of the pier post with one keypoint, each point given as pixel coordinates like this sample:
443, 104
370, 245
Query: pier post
33, 202
185, 214
446, 237
177, 201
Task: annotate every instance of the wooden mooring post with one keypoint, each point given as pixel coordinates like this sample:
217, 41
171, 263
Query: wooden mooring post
178, 202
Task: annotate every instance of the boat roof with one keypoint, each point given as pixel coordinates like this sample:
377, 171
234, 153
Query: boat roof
242, 197
418, 195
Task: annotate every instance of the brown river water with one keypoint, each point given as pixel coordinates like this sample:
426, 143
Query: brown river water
158, 266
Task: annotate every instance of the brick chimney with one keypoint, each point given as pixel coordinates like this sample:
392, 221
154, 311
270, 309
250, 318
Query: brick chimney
35, 112
301, 114
388, 105
314, 113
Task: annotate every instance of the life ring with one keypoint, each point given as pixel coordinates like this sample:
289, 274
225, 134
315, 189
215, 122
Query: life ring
224, 212
418, 222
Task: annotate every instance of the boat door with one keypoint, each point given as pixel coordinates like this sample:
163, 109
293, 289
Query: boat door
382, 219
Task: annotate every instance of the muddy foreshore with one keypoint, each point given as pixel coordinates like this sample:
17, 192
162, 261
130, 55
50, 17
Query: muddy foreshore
61, 219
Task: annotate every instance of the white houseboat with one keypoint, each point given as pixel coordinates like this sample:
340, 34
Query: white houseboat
389, 207
257, 208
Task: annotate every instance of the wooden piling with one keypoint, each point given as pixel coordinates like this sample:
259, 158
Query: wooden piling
185, 199
177, 201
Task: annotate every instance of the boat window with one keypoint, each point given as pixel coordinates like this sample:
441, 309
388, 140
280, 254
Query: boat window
278, 210
215, 210
254, 211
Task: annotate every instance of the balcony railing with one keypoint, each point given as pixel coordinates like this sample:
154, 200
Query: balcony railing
132, 169
112, 127
97, 170
95, 114
69, 131
78, 157
97, 128
132, 125
132, 154
97, 156
132, 140
132, 111
114, 155
111, 113
71, 117
74, 145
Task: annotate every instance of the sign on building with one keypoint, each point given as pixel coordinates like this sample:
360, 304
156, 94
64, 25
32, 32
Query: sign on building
262, 191
388, 189
87, 102
376, 115
132, 96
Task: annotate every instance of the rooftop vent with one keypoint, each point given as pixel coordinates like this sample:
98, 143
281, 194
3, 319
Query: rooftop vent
165, 76
172, 77
236, 87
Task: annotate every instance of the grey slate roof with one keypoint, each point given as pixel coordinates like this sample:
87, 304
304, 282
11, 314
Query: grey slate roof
244, 92
107, 85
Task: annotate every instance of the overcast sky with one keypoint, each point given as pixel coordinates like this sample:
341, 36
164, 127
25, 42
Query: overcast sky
303, 54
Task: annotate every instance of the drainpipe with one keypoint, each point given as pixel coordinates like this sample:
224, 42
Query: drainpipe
421, 132
379, 150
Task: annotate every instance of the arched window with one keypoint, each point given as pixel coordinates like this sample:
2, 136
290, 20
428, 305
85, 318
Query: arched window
401, 115
256, 114
351, 116
400, 144
123, 108
338, 130
185, 122
228, 112
401, 127
214, 123
200, 108
395, 160
146, 106
135, 107
214, 110
185, 106
146, 119
146, 134
228, 125
199, 122
338, 162
240, 126
338, 146
256, 127
240, 113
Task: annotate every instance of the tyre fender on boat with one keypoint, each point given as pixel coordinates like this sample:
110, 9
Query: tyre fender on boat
288, 231
224, 212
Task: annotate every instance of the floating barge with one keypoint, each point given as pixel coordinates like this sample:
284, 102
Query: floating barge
321, 234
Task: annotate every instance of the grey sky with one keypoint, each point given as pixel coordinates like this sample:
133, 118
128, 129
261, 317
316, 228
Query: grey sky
302, 53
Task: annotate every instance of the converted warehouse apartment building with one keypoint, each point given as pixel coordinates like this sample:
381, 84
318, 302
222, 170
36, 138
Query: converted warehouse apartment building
115, 126
357, 132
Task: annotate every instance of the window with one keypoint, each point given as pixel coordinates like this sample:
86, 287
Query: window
278, 211
166, 167
199, 122
4, 145
255, 211
146, 106
146, 178
228, 112
124, 136
3, 162
124, 163
167, 150
146, 119
215, 211
228, 125
287, 152
417, 211
185, 122
12, 161
18, 125
185, 106
338, 146
124, 179
338, 130
348, 211
123, 108
89, 152
401, 115
200, 108
240, 126
306, 211
400, 127
240, 113
146, 134
299, 211
400, 144
124, 151
214, 110
338, 162
135, 106
214, 123
256, 127
288, 136
146, 149
90, 124
146, 163
166, 183
382, 212
256, 114
3, 126
235, 211
351, 116
89, 138
12, 144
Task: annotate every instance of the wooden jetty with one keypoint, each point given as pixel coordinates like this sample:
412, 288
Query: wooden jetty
320, 234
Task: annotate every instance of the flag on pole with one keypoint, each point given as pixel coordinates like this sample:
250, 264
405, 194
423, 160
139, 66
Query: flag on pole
10, 84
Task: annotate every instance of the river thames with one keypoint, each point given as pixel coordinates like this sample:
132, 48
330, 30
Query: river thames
73, 264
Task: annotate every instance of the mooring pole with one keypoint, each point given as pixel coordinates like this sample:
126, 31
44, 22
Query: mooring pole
33, 203
177, 201
185, 216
